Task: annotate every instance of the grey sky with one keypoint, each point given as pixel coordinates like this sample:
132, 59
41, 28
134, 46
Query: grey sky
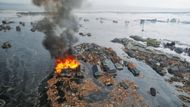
141, 3
146, 3
16, 1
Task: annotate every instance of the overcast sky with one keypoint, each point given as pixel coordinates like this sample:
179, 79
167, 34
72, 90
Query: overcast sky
142, 3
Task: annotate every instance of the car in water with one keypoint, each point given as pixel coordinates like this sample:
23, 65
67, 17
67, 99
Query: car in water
133, 69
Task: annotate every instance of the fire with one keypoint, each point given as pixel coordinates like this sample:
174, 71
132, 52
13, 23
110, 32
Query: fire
68, 62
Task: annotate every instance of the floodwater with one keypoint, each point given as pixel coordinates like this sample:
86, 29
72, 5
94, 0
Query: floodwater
103, 33
28, 62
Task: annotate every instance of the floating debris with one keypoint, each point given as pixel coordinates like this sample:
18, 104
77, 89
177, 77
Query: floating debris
184, 98
83, 34
153, 91
6, 45
115, 21
89, 34
22, 23
160, 62
18, 29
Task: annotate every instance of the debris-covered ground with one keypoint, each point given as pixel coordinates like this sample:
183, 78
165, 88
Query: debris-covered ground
164, 64
97, 88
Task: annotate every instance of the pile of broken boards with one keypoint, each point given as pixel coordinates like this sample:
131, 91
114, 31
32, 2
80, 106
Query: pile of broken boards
160, 62
148, 41
94, 91
179, 50
103, 59
157, 43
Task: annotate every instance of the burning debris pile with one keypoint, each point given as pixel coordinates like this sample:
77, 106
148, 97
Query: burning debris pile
68, 63
89, 83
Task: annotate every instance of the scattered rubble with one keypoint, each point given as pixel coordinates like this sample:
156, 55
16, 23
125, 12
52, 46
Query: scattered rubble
138, 38
149, 41
106, 80
8, 27
83, 34
18, 29
89, 34
115, 21
63, 91
102, 90
184, 98
179, 50
22, 23
124, 94
86, 20
153, 42
95, 54
4, 22
156, 43
6, 45
171, 45
159, 61
5, 28
33, 30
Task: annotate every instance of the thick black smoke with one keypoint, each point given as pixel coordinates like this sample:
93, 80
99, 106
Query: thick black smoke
59, 26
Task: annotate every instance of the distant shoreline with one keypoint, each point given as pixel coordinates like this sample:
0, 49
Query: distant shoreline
134, 12
92, 12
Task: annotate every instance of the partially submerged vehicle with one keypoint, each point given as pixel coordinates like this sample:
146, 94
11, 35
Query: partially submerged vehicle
133, 69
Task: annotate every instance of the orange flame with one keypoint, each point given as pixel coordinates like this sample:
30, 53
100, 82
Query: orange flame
68, 62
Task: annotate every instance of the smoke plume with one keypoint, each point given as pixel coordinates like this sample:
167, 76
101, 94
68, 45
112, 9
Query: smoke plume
59, 26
